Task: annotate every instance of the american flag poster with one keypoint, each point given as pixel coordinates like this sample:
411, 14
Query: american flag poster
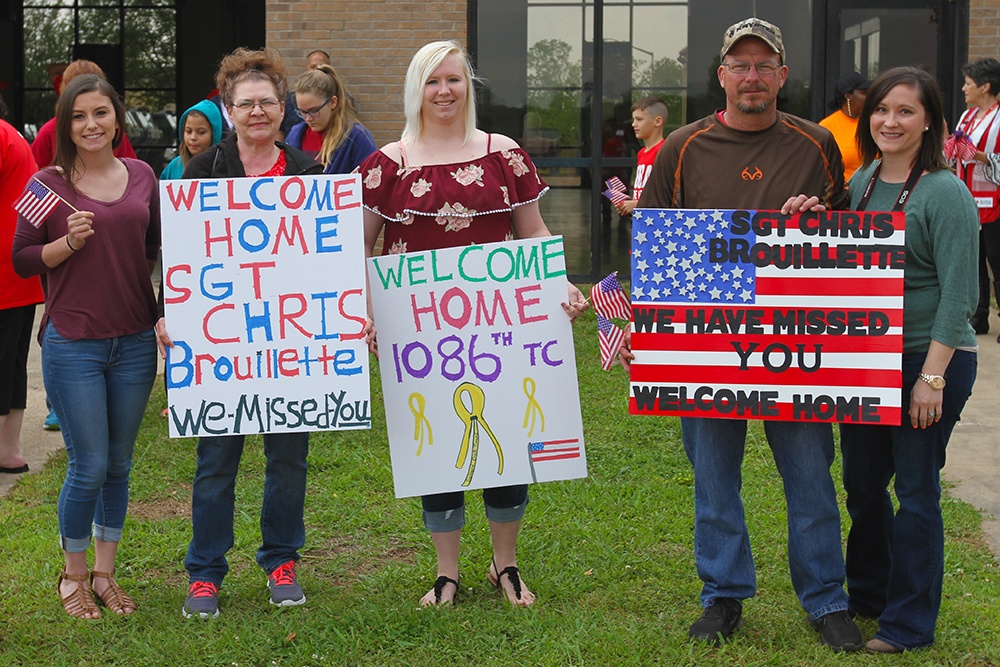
758, 315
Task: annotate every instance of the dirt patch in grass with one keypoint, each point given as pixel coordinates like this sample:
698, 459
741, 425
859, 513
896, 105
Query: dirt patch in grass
362, 558
156, 509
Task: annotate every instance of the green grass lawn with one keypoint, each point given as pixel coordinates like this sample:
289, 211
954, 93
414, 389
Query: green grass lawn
610, 558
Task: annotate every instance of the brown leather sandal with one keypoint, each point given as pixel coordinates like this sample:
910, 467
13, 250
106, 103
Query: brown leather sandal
113, 597
80, 602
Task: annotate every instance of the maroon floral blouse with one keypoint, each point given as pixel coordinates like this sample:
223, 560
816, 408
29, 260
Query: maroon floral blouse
447, 205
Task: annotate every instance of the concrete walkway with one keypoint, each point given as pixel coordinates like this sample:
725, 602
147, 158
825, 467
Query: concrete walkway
973, 454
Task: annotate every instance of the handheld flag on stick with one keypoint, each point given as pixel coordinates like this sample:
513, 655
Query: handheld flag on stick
959, 146
616, 192
37, 202
609, 298
610, 337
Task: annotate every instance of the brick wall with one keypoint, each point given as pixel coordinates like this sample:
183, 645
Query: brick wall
984, 29
370, 45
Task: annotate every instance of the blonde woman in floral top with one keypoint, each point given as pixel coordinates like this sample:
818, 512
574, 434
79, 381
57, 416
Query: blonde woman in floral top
445, 184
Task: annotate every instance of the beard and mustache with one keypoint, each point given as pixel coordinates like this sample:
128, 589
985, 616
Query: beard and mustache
753, 107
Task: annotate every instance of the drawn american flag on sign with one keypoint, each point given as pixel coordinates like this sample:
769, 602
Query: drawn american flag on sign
554, 450
750, 314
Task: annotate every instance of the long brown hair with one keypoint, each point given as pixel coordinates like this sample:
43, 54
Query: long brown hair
65, 148
930, 157
323, 82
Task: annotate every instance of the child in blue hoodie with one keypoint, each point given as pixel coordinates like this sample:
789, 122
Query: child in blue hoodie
199, 129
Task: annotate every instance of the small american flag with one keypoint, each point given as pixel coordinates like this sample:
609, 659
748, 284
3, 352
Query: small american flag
609, 298
36, 203
554, 450
959, 146
615, 183
616, 192
610, 338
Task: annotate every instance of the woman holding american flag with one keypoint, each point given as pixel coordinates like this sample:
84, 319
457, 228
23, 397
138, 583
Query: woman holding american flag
90, 224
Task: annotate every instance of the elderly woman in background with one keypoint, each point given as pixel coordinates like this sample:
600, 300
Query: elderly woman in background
848, 100
329, 131
252, 85
980, 170
489, 189
895, 560
96, 250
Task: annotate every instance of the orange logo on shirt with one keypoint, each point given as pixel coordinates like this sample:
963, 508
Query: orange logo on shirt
756, 175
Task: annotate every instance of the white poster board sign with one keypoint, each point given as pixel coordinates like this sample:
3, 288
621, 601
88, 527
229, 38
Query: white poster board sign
478, 367
264, 290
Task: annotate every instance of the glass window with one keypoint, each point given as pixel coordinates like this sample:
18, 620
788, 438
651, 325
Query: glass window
139, 60
150, 48
99, 26
542, 86
48, 40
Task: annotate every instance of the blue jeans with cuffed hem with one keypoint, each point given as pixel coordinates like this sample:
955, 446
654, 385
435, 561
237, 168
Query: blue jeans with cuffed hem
803, 453
213, 499
445, 512
99, 388
895, 562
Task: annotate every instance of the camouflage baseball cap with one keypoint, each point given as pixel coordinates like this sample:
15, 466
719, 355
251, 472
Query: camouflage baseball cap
753, 27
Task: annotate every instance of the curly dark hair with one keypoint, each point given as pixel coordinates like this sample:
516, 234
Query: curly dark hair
248, 65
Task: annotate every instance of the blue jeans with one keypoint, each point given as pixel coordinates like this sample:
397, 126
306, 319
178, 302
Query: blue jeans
803, 453
282, 526
445, 512
99, 388
895, 564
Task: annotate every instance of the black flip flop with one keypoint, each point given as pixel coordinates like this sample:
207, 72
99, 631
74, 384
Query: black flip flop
14, 471
439, 585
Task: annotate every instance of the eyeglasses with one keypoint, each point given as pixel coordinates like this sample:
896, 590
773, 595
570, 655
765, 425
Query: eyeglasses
266, 105
763, 69
310, 114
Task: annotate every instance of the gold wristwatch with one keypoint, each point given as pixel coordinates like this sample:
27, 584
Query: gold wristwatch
935, 381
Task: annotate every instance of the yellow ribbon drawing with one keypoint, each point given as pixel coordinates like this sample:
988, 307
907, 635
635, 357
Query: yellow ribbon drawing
417, 405
533, 407
473, 420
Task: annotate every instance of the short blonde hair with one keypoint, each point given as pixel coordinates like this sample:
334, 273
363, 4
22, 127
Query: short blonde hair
425, 61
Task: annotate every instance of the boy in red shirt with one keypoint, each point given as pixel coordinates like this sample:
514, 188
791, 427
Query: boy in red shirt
649, 115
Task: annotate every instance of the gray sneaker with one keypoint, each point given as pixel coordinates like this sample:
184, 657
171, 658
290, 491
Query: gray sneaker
202, 600
283, 583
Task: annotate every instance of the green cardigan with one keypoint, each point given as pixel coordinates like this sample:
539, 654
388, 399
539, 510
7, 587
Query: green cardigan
941, 280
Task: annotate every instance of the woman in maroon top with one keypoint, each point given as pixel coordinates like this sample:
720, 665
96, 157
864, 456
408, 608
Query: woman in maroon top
445, 184
96, 250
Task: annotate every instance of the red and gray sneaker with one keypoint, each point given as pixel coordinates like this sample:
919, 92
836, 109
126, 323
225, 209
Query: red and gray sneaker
283, 583
202, 600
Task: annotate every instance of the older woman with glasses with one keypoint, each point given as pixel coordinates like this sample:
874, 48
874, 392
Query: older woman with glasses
252, 85
330, 131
